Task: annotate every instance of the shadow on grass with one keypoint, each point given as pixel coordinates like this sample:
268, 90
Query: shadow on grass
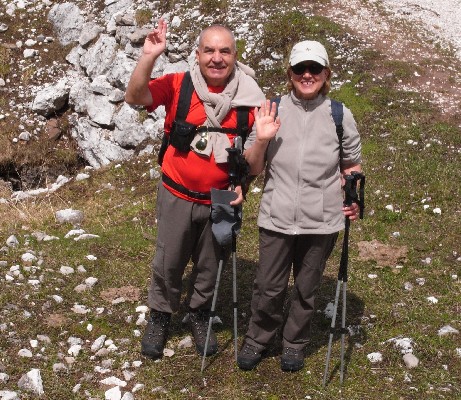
320, 331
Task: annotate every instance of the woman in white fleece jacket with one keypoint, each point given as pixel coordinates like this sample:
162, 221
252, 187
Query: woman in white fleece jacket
301, 209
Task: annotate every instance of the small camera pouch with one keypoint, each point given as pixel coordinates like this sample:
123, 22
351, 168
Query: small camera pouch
181, 135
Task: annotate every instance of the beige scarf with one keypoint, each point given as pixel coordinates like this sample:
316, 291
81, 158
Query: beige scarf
241, 90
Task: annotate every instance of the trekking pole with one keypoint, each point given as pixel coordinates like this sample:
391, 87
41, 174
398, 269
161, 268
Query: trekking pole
234, 175
234, 178
213, 307
350, 189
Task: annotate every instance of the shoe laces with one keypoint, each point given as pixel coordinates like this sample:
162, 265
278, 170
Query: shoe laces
250, 349
158, 324
291, 352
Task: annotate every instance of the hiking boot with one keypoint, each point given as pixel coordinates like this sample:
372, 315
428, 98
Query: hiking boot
248, 357
155, 335
199, 325
292, 359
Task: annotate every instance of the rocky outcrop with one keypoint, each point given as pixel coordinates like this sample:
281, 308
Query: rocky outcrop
100, 64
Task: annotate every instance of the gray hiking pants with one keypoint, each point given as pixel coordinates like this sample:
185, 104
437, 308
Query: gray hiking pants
184, 233
277, 253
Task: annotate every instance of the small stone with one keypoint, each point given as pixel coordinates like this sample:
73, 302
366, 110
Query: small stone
32, 382
375, 357
185, 343
65, 270
410, 360
113, 380
98, 343
59, 367
25, 353
447, 330
168, 352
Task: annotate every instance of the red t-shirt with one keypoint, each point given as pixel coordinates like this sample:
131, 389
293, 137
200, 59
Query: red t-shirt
195, 172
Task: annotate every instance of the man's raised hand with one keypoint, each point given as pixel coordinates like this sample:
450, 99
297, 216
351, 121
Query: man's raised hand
155, 42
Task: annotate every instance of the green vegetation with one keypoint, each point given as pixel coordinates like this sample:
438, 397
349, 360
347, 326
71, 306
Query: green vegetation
143, 17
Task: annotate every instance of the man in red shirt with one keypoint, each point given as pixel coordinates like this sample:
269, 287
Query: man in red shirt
194, 162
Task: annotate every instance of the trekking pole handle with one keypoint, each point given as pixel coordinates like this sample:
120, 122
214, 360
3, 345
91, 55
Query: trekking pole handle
233, 160
350, 190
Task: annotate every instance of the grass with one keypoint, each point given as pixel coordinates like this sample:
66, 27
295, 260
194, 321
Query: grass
399, 173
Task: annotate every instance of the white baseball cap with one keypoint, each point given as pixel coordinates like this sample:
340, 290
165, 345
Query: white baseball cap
309, 50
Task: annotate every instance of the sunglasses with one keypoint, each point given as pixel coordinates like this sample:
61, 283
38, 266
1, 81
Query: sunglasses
313, 69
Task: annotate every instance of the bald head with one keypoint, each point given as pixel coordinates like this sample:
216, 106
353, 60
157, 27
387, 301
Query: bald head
216, 54
219, 30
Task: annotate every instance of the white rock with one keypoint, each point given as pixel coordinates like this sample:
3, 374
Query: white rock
410, 360
141, 321
12, 241
142, 309
185, 343
28, 258
8, 395
4, 377
408, 286
80, 309
446, 330
437, 210
57, 299
432, 299
91, 257
59, 367
91, 281
74, 232
375, 357
113, 381
32, 382
128, 396
168, 352
69, 215
74, 350
405, 345
85, 236
458, 352
65, 270
137, 387
81, 288
176, 22
113, 394
98, 343
25, 353
81, 177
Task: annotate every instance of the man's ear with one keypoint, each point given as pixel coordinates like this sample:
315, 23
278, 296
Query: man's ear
196, 54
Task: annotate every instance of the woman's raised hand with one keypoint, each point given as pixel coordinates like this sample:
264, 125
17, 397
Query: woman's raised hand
267, 124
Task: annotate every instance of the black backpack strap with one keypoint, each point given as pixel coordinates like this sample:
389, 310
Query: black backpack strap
337, 113
185, 96
276, 100
242, 122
